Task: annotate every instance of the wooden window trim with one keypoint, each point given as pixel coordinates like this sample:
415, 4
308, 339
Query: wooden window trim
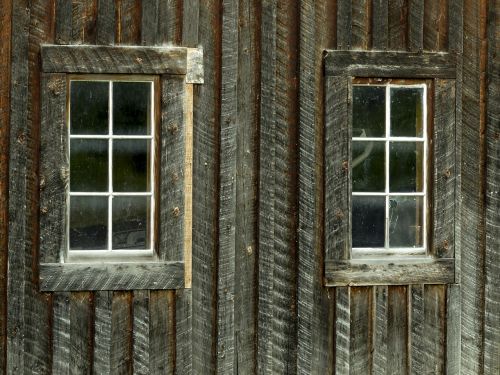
178, 68
342, 68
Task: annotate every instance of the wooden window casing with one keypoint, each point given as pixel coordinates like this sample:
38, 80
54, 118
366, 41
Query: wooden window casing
438, 71
176, 69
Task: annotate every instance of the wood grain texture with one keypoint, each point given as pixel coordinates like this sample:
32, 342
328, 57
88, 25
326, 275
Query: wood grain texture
445, 170
149, 22
128, 22
436, 25
380, 24
473, 187
398, 25
162, 332
83, 21
54, 169
105, 33
183, 331
64, 18
173, 132
492, 255
121, 357
344, 24
113, 59
434, 335
342, 330
102, 337
416, 329
361, 24
416, 25
360, 343
390, 64
140, 331
397, 272
337, 179
5, 73
190, 23
284, 323
453, 329
111, 276
205, 192
397, 330
380, 323
267, 152
81, 333
61, 333
246, 215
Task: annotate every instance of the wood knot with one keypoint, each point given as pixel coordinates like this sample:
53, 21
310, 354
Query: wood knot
175, 177
42, 182
446, 244
21, 137
173, 128
44, 210
497, 136
54, 88
176, 212
345, 165
447, 173
249, 250
138, 59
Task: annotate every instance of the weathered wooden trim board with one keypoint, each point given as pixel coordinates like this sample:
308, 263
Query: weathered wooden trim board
114, 276
386, 272
378, 64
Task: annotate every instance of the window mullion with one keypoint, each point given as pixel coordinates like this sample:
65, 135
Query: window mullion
387, 135
110, 167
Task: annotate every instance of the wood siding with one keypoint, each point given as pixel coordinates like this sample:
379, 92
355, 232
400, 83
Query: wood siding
258, 303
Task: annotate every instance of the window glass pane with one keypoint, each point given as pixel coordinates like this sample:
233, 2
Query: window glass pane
130, 223
89, 107
130, 165
88, 228
405, 222
368, 111
131, 107
406, 164
406, 111
89, 165
368, 221
368, 167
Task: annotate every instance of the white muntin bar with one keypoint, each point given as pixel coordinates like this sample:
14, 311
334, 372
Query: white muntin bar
380, 194
107, 136
387, 161
105, 194
110, 167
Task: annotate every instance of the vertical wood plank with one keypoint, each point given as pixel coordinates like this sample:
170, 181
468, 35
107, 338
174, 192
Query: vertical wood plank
434, 331
492, 256
266, 185
455, 25
54, 167
83, 21
344, 24
81, 333
342, 330
416, 25
205, 192
453, 329
360, 342
121, 333
380, 24
64, 18
106, 22
190, 22
443, 225
361, 23
436, 25
397, 329
417, 330
398, 25
172, 169
102, 336
149, 22
245, 304
61, 333
128, 22
183, 331
141, 332
161, 332
284, 337
380, 330
337, 159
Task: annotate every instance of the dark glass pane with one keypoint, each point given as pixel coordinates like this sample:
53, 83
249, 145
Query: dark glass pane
406, 166
406, 112
368, 221
131, 223
405, 221
88, 223
131, 107
89, 107
368, 167
130, 165
89, 165
368, 111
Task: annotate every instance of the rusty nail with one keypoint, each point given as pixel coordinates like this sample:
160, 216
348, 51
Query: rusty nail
42, 182
176, 211
20, 138
249, 250
345, 165
445, 244
447, 174
173, 128
44, 210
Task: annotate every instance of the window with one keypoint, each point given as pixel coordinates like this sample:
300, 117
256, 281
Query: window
116, 167
389, 157
112, 167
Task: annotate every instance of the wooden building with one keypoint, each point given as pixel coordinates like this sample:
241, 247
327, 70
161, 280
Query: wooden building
253, 269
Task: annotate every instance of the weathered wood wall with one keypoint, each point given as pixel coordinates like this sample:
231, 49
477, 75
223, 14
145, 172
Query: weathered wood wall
257, 304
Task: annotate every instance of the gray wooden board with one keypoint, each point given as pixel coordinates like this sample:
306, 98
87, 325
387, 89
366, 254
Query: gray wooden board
149, 22
390, 64
360, 342
410, 271
54, 169
102, 336
113, 59
380, 24
129, 21
83, 22
435, 25
111, 276
416, 25
398, 25
141, 333
190, 23
434, 333
416, 329
453, 329
161, 332
360, 24
106, 22
61, 333
64, 16
445, 170
183, 331
337, 160
380, 323
342, 330
173, 129
121, 361
397, 330
81, 333
344, 24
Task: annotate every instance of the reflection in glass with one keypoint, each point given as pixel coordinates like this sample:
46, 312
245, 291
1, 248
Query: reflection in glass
368, 167
130, 165
88, 223
89, 107
406, 163
89, 165
368, 221
368, 111
131, 108
406, 111
405, 221
130, 223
